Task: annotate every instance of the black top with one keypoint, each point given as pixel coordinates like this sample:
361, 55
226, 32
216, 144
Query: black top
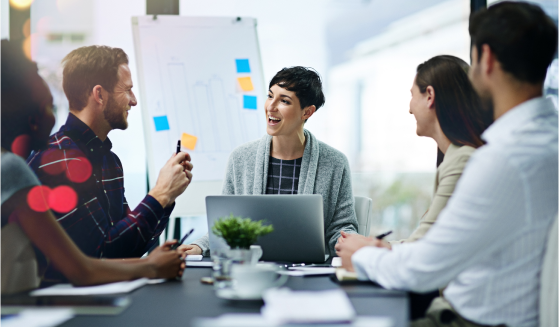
283, 176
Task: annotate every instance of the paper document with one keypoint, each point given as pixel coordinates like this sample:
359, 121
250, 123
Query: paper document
283, 305
233, 320
38, 318
344, 275
194, 257
256, 320
336, 262
199, 263
112, 288
308, 271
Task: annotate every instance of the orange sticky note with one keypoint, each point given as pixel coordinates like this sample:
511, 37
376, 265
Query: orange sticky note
245, 83
188, 141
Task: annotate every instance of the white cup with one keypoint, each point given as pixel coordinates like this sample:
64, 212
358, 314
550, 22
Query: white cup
255, 254
251, 281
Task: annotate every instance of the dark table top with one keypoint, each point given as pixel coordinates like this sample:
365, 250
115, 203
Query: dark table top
178, 303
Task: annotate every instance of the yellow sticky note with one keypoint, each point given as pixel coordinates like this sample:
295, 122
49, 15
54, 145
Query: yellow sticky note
245, 83
188, 141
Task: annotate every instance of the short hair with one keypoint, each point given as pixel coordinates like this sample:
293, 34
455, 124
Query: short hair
86, 67
521, 35
23, 90
305, 82
457, 105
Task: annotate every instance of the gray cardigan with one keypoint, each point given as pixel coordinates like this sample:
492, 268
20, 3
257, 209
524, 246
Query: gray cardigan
324, 170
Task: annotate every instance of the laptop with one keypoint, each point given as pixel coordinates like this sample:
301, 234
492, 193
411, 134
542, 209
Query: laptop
298, 221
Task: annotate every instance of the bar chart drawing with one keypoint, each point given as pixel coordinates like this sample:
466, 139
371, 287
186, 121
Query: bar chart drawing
205, 110
190, 70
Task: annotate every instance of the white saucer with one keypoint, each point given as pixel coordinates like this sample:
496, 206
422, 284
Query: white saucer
231, 294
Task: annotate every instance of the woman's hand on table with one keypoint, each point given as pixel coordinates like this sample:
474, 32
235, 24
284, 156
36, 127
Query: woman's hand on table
190, 249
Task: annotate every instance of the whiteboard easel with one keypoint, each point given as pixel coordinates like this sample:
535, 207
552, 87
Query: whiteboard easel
188, 71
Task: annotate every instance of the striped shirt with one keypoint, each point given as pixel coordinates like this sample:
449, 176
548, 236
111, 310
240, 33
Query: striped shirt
283, 176
101, 224
488, 243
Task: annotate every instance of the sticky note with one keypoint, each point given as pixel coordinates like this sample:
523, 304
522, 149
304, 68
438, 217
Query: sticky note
188, 141
249, 102
161, 123
245, 83
242, 66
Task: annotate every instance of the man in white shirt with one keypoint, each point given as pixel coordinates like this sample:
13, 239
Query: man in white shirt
487, 245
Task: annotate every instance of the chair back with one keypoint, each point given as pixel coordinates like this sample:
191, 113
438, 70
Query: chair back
364, 213
548, 280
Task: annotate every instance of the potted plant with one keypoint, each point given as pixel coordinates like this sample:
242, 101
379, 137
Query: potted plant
240, 233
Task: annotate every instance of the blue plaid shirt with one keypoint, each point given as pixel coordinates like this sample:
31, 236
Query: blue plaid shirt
101, 224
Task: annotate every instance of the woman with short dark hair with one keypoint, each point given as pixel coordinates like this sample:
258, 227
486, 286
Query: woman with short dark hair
290, 160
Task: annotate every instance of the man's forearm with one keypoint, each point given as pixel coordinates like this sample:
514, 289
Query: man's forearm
131, 236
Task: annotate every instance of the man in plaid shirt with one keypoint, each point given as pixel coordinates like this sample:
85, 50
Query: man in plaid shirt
98, 85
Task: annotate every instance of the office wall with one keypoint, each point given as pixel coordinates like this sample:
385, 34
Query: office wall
5, 25
369, 102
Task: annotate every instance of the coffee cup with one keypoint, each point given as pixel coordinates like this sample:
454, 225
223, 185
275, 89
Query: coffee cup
251, 281
255, 254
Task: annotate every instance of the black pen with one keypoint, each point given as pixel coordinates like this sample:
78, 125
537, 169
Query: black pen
178, 146
176, 245
381, 236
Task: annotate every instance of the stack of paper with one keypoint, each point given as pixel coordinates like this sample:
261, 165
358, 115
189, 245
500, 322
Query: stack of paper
336, 262
38, 318
308, 271
344, 275
256, 320
112, 288
284, 305
194, 257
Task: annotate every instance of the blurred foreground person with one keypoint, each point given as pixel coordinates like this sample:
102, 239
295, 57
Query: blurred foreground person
290, 160
27, 119
489, 242
98, 85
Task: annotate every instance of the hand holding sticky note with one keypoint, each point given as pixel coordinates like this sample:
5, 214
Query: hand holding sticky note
188, 141
245, 83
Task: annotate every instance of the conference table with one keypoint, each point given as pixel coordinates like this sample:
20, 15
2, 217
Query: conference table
180, 302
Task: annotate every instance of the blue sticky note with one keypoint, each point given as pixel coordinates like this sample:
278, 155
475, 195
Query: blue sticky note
249, 102
161, 123
242, 66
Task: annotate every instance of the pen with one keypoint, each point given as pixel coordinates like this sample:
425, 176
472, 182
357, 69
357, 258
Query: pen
381, 236
176, 245
178, 146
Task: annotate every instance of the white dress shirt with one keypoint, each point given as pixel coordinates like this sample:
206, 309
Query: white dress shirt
488, 243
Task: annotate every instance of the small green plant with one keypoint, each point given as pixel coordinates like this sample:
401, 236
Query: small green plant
240, 232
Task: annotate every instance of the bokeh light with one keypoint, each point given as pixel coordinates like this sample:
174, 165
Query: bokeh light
65, 7
79, 170
21, 4
38, 198
21, 145
52, 161
63, 199
27, 28
44, 26
27, 47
